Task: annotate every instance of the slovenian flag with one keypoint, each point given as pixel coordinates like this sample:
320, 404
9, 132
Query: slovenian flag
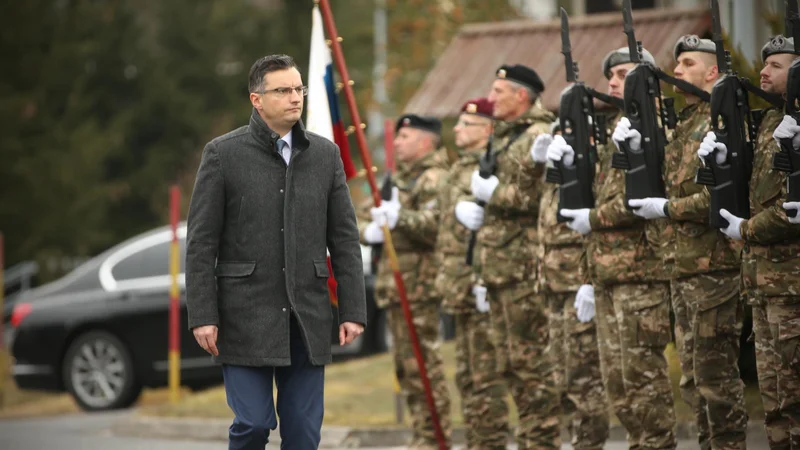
322, 108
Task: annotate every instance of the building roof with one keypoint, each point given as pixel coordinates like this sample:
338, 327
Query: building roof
466, 68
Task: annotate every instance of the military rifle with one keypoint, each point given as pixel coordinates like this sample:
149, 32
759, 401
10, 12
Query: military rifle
730, 116
486, 167
788, 158
644, 108
575, 113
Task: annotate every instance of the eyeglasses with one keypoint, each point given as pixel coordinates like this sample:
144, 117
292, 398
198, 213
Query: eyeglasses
284, 91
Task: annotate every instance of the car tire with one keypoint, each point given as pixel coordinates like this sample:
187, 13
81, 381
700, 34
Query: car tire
98, 372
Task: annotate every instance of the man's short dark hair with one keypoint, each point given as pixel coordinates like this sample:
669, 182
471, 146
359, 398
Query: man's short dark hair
265, 65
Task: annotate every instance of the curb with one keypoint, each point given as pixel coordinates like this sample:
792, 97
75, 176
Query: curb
192, 428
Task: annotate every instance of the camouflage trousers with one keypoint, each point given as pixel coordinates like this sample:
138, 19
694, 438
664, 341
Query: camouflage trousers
576, 360
478, 376
633, 329
520, 317
426, 321
776, 323
708, 326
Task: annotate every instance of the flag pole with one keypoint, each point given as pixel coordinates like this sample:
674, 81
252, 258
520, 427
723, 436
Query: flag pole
338, 57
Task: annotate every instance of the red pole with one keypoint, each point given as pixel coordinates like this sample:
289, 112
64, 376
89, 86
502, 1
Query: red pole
338, 57
174, 299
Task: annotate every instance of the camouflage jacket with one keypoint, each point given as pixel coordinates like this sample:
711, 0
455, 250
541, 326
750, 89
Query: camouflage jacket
507, 240
418, 184
620, 248
771, 254
561, 254
454, 278
692, 247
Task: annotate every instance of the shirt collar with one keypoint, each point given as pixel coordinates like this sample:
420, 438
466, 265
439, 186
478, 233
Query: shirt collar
288, 139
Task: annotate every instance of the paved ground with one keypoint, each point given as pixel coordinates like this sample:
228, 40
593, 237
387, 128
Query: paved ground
93, 432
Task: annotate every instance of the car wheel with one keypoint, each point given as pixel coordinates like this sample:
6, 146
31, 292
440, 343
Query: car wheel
98, 372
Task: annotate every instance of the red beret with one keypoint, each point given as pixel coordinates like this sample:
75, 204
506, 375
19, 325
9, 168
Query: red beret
479, 106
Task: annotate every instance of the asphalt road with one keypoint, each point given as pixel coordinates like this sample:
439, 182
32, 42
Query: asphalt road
92, 432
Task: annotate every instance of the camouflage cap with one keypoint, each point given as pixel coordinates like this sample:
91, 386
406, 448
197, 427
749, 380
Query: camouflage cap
622, 55
521, 74
429, 124
692, 43
778, 44
479, 107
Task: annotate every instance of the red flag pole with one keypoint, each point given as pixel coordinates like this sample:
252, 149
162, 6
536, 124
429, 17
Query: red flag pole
338, 57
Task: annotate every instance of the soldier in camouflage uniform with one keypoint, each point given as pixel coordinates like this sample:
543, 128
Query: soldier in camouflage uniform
771, 261
573, 340
505, 254
704, 266
632, 298
483, 391
421, 169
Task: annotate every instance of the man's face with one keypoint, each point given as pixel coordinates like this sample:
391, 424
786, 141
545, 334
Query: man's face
616, 84
775, 72
282, 108
697, 68
471, 130
412, 143
506, 98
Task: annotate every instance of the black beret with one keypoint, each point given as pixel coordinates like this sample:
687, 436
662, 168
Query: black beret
430, 124
521, 74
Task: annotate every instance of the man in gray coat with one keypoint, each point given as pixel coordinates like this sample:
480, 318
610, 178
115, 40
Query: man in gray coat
268, 200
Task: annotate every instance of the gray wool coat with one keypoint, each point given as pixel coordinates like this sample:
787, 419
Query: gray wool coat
257, 235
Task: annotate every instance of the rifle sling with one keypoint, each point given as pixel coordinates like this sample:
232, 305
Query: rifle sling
687, 87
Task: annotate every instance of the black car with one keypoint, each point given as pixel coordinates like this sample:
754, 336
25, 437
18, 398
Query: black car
101, 332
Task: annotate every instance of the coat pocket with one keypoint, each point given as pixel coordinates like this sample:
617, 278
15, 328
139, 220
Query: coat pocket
234, 268
321, 268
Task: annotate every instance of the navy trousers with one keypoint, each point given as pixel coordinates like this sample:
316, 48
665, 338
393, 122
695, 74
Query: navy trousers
299, 404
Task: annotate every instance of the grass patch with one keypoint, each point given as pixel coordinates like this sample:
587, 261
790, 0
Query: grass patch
361, 393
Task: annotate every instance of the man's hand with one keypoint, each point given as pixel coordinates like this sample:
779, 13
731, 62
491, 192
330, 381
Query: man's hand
649, 208
389, 211
710, 145
788, 129
732, 230
580, 220
623, 132
559, 150
584, 303
206, 336
349, 331
793, 206
373, 233
470, 214
482, 188
539, 147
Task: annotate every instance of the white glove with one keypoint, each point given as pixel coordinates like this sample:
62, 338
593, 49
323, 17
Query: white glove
793, 206
580, 220
623, 131
482, 188
389, 211
584, 303
710, 145
480, 298
788, 129
559, 150
373, 233
649, 208
732, 230
470, 215
539, 147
